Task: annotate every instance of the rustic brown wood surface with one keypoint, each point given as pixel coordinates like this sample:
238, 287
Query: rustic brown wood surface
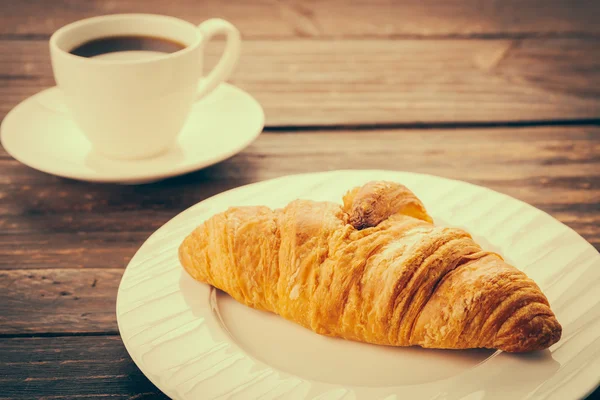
332, 18
304, 82
88, 367
500, 94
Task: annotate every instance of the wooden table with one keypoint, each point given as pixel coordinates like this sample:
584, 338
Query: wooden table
504, 94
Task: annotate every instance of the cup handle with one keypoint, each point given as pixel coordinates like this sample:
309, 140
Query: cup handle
231, 54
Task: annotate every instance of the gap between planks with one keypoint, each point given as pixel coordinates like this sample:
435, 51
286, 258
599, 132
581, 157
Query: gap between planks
433, 125
57, 334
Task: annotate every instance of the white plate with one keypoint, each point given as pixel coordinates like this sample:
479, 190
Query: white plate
194, 342
39, 133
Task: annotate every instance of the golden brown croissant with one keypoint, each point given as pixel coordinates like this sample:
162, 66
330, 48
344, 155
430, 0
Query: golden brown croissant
373, 270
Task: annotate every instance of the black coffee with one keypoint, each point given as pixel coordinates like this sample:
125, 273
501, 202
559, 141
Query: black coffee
114, 44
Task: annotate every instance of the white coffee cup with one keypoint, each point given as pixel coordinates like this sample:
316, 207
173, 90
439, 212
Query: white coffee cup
135, 108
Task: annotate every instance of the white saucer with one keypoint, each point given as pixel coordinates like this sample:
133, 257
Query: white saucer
39, 133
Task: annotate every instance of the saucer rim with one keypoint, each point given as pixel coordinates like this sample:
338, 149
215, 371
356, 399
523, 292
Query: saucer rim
136, 177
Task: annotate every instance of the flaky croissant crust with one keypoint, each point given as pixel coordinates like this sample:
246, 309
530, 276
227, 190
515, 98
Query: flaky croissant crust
373, 270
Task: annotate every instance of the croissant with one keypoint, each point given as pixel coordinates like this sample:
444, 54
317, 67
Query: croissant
373, 270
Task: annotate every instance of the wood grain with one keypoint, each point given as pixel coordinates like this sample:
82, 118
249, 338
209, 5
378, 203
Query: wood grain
331, 18
93, 367
410, 82
48, 221
58, 300
542, 158
72, 250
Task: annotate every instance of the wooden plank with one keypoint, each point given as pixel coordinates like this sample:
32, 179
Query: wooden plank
75, 367
380, 18
26, 251
542, 156
69, 368
136, 221
533, 181
351, 82
51, 222
58, 300
70, 250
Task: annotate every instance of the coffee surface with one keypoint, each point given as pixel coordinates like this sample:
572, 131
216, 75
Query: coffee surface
130, 43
